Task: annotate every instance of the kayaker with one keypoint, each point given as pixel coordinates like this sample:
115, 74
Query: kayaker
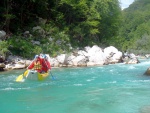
46, 66
36, 64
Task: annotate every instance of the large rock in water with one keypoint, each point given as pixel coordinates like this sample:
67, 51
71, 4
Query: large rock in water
147, 72
113, 55
95, 56
132, 61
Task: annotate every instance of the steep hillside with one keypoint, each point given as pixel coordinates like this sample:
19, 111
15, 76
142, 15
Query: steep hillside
134, 34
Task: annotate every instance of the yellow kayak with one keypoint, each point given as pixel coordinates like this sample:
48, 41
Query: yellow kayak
42, 76
34, 75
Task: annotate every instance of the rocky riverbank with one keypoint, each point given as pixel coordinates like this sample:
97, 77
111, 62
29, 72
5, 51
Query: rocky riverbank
89, 56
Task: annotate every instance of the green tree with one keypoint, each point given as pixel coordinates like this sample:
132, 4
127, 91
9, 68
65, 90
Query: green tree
79, 22
3, 48
135, 24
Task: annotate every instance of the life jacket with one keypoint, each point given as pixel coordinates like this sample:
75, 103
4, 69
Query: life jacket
37, 65
46, 65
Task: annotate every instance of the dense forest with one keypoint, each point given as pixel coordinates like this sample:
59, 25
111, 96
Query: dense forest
58, 26
134, 33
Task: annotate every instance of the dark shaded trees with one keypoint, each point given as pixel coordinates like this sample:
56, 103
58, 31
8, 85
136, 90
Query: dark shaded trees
79, 22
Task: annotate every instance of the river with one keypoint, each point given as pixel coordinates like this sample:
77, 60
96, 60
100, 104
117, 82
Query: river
117, 88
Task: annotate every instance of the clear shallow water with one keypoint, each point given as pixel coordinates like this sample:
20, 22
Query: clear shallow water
118, 88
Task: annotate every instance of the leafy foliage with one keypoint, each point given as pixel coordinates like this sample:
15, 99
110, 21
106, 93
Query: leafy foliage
142, 46
3, 48
68, 22
20, 46
135, 28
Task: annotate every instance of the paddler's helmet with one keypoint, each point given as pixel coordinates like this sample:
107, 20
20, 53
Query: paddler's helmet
45, 57
41, 55
36, 56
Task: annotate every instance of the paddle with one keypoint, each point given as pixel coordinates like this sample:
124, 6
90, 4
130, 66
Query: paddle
20, 77
25, 74
52, 76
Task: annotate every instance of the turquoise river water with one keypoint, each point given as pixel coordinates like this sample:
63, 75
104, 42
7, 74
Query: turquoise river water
117, 88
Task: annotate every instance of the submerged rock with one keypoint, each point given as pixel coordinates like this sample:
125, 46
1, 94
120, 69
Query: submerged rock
145, 109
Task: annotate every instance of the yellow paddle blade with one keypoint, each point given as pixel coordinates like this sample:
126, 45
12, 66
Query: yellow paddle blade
26, 73
19, 78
